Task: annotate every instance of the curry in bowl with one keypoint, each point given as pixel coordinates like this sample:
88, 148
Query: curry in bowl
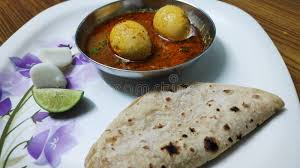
145, 40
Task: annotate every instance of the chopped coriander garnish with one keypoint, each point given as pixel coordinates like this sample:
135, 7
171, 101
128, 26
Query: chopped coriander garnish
94, 51
101, 44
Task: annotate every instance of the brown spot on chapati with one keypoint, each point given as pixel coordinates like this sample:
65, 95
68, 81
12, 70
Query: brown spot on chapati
192, 149
209, 85
184, 146
235, 109
168, 98
246, 126
178, 125
213, 117
120, 132
184, 135
112, 148
150, 165
158, 126
228, 91
108, 130
105, 161
192, 129
197, 121
218, 109
182, 114
203, 117
209, 103
130, 121
245, 105
111, 140
146, 147
210, 144
184, 85
251, 120
230, 139
239, 136
255, 96
163, 166
171, 148
166, 106
226, 127
257, 125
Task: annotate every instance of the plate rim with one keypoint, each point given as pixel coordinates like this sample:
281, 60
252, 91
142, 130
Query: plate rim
67, 4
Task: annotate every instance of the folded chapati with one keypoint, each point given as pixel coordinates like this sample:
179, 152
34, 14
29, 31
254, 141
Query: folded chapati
182, 129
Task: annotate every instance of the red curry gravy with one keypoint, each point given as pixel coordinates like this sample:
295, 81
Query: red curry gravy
164, 53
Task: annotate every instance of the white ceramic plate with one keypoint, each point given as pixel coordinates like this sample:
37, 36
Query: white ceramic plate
243, 54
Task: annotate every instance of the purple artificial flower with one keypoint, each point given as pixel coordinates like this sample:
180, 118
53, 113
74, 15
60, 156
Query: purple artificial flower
61, 45
79, 76
13, 84
48, 145
36, 144
71, 83
60, 142
70, 43
39, 116
5, 105
23, 65
80, 59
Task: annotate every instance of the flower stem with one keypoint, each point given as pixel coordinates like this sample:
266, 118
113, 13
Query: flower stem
25, 100
11, 151
15, 111
17, 126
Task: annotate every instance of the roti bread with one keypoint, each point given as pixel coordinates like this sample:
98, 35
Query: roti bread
181, 129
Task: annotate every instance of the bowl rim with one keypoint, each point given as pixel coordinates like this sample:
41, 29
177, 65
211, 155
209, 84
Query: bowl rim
146, 71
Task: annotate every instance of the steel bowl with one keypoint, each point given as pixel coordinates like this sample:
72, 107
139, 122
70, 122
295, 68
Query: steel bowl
197, 17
